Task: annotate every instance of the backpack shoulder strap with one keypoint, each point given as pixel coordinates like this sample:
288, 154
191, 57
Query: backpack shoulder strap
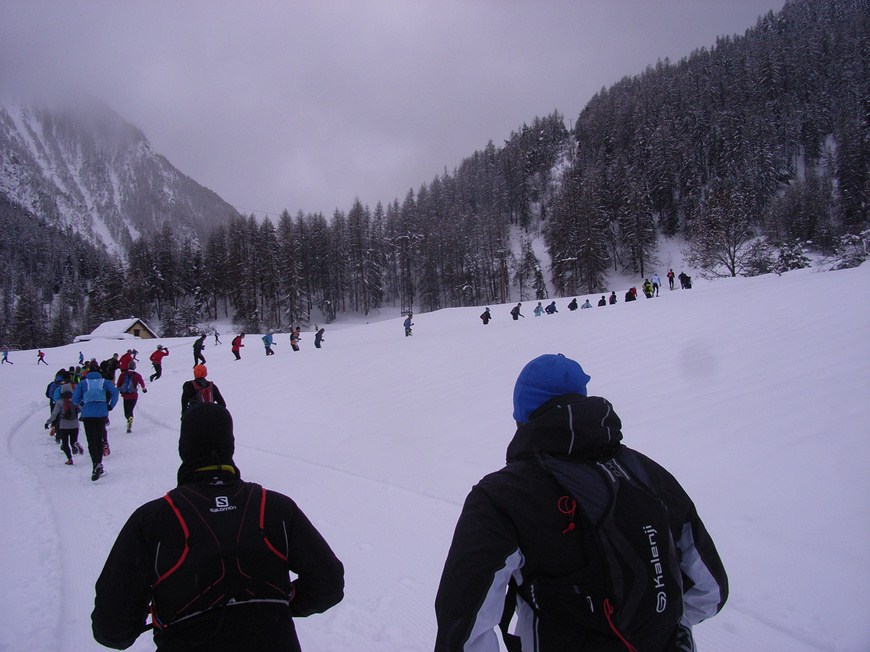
262, 522
184, 528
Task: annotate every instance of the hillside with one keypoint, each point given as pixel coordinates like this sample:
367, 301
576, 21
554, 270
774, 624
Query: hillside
81, 166
751, 391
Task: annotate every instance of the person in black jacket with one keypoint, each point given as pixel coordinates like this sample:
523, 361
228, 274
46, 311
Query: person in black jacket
211, 561
198, 346
200, 390
517, 529
109, 367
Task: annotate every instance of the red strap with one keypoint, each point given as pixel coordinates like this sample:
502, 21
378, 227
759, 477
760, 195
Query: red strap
186, 542
608, 611
262, 528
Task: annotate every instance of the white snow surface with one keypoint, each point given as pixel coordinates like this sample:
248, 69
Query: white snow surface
752, 391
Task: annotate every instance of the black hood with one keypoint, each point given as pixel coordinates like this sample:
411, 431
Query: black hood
206, 440
571, 425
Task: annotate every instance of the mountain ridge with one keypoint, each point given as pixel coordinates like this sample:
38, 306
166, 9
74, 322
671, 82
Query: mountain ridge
82, 166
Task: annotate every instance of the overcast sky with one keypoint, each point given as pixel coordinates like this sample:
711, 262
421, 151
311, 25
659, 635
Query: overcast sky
308, 105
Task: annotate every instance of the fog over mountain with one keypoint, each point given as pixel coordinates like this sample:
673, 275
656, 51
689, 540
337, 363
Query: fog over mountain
83, 167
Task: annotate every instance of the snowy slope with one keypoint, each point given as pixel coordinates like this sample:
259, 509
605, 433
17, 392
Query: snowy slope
753, 392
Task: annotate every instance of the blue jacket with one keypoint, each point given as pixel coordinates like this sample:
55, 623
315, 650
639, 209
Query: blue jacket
95, 408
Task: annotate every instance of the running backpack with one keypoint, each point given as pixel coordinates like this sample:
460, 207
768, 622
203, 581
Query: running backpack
128, 386
633, 588
227, 558
204, 393
94, 392
68, 414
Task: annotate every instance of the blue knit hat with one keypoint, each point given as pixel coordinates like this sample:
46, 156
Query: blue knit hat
544, 378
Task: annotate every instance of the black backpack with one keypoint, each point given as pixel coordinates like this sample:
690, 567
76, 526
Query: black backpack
633, 590
227, 556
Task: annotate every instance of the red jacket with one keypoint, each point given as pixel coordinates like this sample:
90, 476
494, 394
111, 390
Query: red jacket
137, 382
158, 355
237, 343
124, 361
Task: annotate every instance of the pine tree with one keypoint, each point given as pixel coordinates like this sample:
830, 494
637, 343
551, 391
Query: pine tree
722, 232
637, 232
528, 276
577, 236
289, 268
29, 323
268, 254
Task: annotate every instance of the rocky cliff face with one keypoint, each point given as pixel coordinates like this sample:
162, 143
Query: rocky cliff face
85, 168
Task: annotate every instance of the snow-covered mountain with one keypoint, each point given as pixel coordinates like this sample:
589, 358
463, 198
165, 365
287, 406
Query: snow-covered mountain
84, 167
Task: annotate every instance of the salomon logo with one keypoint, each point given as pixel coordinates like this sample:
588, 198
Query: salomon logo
222, 504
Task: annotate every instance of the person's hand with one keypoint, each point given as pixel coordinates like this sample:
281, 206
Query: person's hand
144, 391
46, 425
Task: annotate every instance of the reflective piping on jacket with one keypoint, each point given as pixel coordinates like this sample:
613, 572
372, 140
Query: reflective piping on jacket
528, 626
604, 419
703, 599
571, 427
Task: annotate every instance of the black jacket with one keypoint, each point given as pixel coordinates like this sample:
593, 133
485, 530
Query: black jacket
511, 526
152, 541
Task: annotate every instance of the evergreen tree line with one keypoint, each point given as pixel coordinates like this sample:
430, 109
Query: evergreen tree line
761, 142
762, 136
47, 279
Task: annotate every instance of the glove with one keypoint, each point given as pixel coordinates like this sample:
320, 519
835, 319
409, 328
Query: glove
144, 391
46, 425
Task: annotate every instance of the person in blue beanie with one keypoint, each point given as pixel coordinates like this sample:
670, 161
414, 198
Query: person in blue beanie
593, 545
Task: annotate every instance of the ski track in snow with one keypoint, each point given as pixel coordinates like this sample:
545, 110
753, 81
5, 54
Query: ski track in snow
36, 535
359, 476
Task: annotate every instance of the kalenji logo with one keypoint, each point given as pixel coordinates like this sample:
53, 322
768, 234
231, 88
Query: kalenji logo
222, 504
657, 574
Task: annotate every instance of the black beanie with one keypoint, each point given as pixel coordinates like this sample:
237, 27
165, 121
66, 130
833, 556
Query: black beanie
207, 435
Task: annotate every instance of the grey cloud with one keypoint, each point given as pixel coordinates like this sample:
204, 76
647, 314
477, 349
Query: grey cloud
306, 106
